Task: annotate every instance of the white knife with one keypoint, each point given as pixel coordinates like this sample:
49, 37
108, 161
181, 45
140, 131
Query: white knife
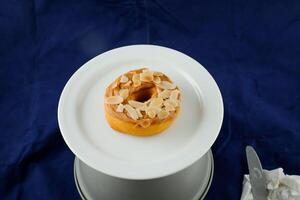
256, 175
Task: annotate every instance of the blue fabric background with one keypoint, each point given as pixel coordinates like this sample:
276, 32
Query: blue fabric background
252, 48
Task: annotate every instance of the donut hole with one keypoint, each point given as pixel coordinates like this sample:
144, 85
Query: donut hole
144, 94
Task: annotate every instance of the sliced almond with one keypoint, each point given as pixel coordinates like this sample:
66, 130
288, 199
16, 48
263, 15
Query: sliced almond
166, 85
156, 80
163, 114
164, 94
147, 102
120, 108
156, 102
175, 102
169, 107
157, 109
146, 76
136, 80
126, 85
143, 108
137, 83
172, 102
151, 112
159, 90
131, 112
114, 85
138, 111
124, 79
135, 77
145, 123
136, 104
124, 93
113, 100
157, 74
174, 94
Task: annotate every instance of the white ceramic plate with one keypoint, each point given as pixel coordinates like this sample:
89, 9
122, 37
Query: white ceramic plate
88, 135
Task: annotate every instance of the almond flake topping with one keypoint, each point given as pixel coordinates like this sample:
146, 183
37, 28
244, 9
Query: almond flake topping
156, 102
124, 79
127, 84
146, 76
143, 108
131, 112
147, 102
156, 80
138, 111
166, 85
114, 85
120, 108
174, 95
163, 114
136, 80
124, 93
172, 102
136, 104
151, 112
164, 94
165, 102
113, 100
169, 107
157, 74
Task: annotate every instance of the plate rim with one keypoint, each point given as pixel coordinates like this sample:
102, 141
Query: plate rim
140, 176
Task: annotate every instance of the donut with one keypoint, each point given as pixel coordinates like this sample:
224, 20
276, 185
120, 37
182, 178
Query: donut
142, 102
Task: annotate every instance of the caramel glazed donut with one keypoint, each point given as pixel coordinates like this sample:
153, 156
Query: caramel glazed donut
142, 102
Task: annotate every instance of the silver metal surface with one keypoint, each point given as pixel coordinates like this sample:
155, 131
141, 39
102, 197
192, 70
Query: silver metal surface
256, 175
202, 196
167, 184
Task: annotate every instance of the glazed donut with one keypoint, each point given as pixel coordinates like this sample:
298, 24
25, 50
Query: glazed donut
141, 102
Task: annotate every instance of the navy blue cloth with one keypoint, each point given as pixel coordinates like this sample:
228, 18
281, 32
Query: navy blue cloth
252, 48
